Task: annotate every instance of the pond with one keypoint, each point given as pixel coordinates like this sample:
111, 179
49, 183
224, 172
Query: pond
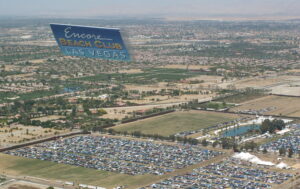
70, 89
240, 130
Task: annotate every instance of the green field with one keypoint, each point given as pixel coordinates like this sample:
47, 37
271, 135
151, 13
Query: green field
176, 122
148, 76
13, 165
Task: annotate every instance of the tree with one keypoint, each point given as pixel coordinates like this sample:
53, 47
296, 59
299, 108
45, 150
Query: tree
265, 126
204, 142
250, 145
102, 111
215, 143
278, 124
282, 151
74, 110
172, 138
265, 150
290, 152
111, 131
235, 147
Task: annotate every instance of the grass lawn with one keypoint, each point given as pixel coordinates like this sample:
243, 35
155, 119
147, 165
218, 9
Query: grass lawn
176, 122
13, 165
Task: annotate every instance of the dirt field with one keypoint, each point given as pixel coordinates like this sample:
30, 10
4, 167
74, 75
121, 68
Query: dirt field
38, 61
121, 112
131, 71
176, 122
157, 86
157, 99
294, 71
208, 82
292, 89
259, 82
287, 106
49, 118
24, 185
18, 134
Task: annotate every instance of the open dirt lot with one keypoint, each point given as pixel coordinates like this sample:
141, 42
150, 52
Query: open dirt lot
131, 71
49, 118
18, 134
286, 106
260, 82
24, 185
157, 99
121, 112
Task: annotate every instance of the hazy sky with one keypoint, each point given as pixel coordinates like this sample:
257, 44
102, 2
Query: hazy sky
92, 8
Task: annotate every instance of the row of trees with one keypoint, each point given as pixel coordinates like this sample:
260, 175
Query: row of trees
272, 126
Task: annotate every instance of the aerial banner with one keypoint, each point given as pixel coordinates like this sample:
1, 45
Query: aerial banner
91, 42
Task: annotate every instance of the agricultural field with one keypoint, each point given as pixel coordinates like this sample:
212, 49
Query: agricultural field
173, 123
278, 105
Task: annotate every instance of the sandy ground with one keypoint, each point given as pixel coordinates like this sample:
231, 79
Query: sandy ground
23, 76
131, 71
169, 99
37, 61
10, 67
158, 87
292, 89
18, 133
209, 83
258, 82
288, 106
292, 162
207, 78
286, 90
122, 112
24, 185
294, 71
296, 166
49, 118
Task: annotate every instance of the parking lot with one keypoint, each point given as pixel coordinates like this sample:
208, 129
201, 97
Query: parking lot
289, 142
230, 173
118, 155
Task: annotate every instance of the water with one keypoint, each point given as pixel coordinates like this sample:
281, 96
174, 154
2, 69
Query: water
70, 89
240, 130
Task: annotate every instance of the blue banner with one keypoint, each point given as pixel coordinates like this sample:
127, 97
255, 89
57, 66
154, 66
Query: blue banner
91, 42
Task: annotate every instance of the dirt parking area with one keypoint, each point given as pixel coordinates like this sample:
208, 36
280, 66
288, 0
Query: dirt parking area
286, 106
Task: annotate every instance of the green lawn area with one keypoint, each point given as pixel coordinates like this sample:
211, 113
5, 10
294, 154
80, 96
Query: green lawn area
13, 165
149, 76
176, 122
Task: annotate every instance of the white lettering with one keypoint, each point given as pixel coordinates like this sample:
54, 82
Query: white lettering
69, 34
